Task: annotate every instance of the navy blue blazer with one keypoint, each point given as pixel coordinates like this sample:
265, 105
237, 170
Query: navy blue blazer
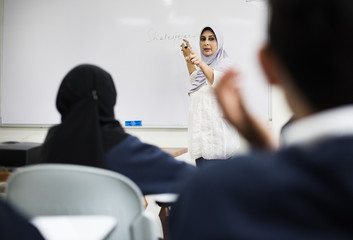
295, 193
152, 169
13, 226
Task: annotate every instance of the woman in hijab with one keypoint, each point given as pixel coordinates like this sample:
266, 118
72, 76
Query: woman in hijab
211, 137
90, 135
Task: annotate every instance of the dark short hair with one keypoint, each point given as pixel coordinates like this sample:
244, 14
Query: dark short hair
314, 40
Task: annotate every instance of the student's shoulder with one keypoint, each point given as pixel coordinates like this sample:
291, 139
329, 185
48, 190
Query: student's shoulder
134, 144
130, 139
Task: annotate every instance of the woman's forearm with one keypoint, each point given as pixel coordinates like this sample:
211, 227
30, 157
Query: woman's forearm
207, 71
191, 67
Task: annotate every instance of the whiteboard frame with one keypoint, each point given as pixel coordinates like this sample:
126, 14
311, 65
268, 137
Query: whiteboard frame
48, 125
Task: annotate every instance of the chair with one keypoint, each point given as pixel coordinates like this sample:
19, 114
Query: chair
63, 189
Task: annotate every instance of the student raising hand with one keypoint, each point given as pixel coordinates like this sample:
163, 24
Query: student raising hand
228, 93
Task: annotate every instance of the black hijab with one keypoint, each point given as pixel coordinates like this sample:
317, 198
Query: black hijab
88, 128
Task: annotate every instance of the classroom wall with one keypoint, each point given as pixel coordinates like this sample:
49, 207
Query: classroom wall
161, 137
105, 26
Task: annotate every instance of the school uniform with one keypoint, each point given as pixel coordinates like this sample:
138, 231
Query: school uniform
302, 191
14, 226
153, 170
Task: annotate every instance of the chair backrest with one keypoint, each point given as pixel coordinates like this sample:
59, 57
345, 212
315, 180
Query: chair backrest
63, 189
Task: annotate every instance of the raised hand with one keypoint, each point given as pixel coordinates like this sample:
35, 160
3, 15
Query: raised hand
185, 48
229, 97
194, 58
228, 93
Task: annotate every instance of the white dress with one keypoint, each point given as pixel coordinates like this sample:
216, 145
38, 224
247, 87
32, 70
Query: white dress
210, 135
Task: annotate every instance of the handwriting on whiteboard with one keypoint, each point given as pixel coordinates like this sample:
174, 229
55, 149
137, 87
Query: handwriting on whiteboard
153, 35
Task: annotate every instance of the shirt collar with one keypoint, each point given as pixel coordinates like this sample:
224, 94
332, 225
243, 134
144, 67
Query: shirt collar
330, 123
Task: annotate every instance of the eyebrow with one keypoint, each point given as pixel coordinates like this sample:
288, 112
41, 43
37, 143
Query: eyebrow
209, 35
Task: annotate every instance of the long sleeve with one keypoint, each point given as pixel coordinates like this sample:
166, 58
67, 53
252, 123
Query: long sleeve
153, 170
217, 76
15, 226
193, 77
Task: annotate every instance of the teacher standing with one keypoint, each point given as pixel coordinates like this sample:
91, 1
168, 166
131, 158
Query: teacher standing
211, 137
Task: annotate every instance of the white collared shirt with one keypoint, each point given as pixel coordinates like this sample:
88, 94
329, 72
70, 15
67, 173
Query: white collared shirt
330, 123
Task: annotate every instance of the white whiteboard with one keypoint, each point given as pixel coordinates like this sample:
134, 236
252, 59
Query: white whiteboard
137, 41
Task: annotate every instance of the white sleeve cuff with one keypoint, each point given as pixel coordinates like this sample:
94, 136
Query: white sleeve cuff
216, 77
193, 77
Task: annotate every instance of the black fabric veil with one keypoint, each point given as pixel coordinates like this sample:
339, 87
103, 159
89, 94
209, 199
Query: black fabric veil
85, 100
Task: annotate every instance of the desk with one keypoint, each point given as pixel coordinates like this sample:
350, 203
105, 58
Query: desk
91, 227
4, 175
166, 200
175, 151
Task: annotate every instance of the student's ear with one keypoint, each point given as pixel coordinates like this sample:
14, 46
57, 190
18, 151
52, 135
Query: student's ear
270, 65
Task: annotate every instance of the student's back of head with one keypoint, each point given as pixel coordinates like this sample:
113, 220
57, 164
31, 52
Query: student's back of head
314, 42
88, 128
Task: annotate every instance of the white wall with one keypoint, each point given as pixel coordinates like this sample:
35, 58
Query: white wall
160, 137
173, 137
153, 38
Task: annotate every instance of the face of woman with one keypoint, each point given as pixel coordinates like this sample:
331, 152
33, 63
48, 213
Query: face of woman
208, 43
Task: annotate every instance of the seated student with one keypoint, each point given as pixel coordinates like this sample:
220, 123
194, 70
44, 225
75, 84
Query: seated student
90, 135
14, 226
303, 190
